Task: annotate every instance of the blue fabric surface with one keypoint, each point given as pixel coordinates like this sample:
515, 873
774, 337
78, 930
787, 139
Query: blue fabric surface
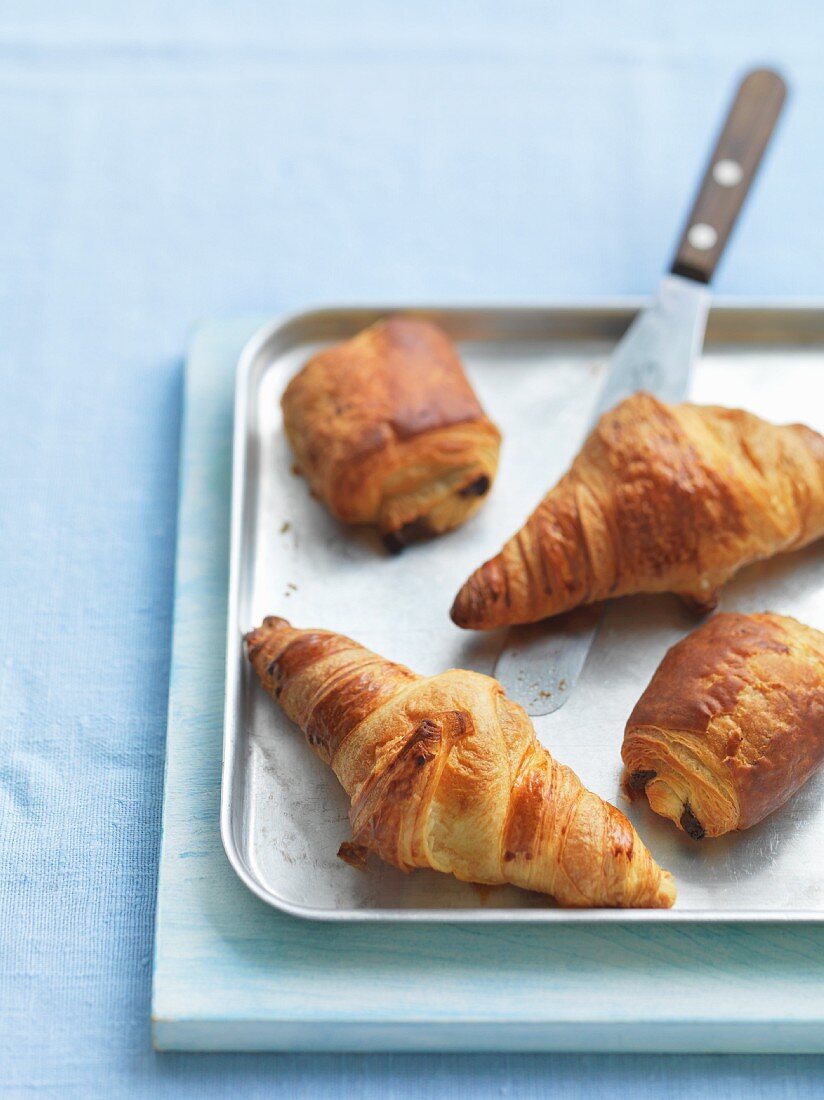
165, 162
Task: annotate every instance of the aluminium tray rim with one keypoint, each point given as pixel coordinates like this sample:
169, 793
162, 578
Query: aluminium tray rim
804, 306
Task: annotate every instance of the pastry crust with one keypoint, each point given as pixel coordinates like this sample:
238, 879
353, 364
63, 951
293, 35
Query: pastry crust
446, 772
388, 431
661, 498
731, 725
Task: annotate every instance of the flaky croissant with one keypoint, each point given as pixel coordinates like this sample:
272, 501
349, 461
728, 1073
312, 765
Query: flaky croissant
731, 725
446, 772
661, 498
388, 431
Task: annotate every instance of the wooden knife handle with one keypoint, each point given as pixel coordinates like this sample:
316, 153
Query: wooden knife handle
734, 162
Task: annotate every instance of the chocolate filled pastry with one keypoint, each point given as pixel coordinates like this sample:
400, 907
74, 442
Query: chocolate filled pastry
661, 498
388, 431
446, 772
731, 725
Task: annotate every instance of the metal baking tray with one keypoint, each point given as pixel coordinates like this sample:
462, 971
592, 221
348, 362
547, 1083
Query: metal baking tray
537, 372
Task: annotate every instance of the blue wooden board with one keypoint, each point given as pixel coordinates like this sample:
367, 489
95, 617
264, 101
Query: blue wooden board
232, 974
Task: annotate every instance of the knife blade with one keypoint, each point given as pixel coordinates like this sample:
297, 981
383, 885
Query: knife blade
540, 662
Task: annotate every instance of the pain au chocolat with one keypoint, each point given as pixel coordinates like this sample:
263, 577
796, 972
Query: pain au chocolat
731, 725
388, 431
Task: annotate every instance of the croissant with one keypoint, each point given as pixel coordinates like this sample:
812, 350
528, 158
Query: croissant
661, 498
731, 725
388, 431
445, 772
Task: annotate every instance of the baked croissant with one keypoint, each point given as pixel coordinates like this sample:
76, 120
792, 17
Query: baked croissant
731, 725
661, 498
388, 431
445, 772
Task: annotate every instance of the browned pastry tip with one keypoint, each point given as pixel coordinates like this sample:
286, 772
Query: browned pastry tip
388, 431
661, 498
445, 772
731, 724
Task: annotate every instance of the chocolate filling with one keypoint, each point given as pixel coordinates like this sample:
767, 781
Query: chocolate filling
690, 823
638, 781
477, 488
417, 529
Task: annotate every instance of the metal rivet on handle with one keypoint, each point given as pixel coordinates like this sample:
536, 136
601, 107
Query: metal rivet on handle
702, 236
727, 172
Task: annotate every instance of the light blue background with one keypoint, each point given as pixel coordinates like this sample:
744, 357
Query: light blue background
170, 161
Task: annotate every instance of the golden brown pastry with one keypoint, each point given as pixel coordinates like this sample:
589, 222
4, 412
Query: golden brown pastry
661, 498
388, 431
731, 725
445, 772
